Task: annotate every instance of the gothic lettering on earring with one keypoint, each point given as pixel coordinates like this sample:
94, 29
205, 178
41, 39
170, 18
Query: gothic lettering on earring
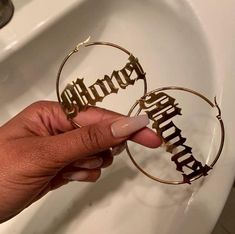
161, 109
79, 94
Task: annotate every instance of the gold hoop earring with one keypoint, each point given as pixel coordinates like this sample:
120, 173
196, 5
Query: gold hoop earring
73, 100
154, 98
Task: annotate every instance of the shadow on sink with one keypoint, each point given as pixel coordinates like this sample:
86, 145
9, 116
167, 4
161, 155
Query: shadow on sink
73, 203
93, 195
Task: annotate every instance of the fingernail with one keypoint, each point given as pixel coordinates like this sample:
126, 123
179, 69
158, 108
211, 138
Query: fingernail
126, 126
76, 176
90, 164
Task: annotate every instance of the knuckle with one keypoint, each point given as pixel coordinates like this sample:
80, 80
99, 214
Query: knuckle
36, 107
41, 106
38, 104
93, 138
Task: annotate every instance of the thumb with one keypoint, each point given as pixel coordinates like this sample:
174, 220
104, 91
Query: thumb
91, 139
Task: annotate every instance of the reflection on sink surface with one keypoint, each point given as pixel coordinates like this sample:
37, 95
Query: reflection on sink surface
168, 39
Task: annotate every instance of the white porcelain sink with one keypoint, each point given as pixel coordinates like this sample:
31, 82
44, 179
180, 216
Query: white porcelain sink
186, 43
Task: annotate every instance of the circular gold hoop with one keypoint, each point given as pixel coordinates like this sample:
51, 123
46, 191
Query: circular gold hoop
86, 43
222, 133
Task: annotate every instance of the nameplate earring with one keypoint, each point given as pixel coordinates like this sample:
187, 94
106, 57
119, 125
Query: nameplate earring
77, 96
163, 109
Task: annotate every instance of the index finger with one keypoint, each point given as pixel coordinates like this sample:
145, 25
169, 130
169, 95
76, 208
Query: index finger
92, 115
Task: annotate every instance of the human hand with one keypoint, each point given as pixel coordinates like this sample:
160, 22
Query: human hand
40, 150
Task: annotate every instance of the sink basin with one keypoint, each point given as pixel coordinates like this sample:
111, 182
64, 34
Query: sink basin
179, 43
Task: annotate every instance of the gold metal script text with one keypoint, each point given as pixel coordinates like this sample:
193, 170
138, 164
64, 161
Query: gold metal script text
78, 94
161, 108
